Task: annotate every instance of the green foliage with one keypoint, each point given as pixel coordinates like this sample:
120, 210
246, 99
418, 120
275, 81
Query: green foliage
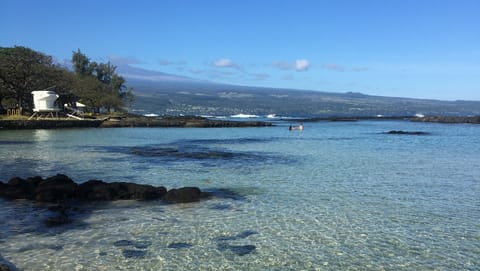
100, 86
23, 70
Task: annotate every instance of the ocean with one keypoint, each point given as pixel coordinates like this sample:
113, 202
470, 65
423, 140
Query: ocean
335, 196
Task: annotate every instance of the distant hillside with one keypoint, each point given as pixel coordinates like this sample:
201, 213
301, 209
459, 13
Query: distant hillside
200, 98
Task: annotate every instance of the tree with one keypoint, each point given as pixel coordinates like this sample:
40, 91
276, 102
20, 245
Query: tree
81, 64
113, 94
23, 70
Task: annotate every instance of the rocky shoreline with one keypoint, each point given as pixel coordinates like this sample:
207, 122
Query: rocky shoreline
449, 119
61, 195
61, 189
438, 119
65, 201
177, 121
127, 121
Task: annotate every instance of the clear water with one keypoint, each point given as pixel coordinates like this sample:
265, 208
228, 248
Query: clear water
338, 196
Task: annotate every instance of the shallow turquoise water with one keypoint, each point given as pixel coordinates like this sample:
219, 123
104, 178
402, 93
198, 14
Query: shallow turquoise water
338, 196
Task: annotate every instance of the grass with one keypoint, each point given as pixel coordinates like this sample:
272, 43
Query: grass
13, 117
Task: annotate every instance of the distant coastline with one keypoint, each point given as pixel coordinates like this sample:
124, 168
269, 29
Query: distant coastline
449, 119
438, 119
132, 120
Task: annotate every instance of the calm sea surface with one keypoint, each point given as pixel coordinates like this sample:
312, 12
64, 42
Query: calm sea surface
337, 196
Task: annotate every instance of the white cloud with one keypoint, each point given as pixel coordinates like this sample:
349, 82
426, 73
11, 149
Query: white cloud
224, 63
299, 65
302, 65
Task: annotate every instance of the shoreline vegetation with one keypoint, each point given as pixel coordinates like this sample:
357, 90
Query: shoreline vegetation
132, 120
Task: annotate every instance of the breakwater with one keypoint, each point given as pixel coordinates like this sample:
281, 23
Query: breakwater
127, 121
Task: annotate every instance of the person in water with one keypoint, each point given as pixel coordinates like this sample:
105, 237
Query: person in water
300, 127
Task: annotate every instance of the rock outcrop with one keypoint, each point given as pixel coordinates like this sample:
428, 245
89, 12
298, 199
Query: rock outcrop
178, 121
400, 132
183, 195
61, 189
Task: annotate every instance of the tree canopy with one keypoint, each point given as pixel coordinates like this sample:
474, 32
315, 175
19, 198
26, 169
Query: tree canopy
23, 70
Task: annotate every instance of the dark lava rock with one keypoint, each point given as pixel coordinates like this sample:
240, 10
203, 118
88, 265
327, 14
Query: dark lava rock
126, 243
47, 124
123, 243
17, 188
133, 253
183, 195
58, 188
221, 207
239, 250
142, 245
61, 218
61, 189
131, 120
102, 191
449, 119
245, 234
4, 267
58, 220
179, 245
399, 132
242, 235
242, 250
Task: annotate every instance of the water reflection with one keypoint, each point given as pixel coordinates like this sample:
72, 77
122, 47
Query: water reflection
42, 135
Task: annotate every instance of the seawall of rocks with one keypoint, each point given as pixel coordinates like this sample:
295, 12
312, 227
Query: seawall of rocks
48, 124
178, 121
127, 121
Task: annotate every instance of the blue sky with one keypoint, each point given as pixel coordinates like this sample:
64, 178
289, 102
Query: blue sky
401, 48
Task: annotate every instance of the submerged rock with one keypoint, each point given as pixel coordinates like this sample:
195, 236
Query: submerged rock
242, 250
133, 253
179, 245
58, 220
62, 190
183, 195
223, 243
123, 243
399, 132
126, 243
239, 250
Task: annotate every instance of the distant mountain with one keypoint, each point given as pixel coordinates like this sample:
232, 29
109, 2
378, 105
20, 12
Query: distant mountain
161, 93
138, 74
